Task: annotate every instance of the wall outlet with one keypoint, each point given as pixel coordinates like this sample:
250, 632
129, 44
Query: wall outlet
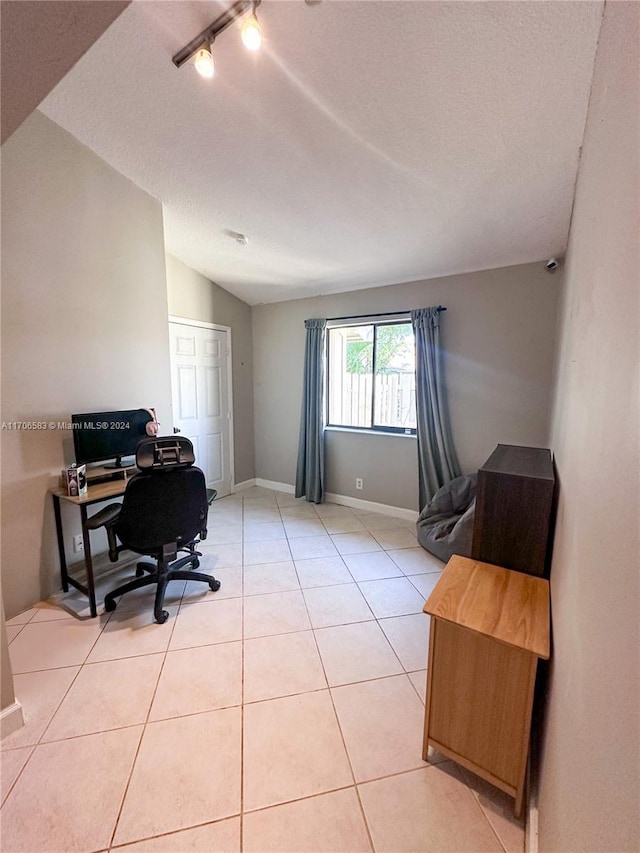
359, 483
78, 544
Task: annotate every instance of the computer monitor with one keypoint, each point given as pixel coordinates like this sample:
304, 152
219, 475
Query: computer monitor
104, 436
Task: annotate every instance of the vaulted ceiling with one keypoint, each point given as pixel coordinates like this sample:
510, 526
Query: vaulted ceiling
367, 143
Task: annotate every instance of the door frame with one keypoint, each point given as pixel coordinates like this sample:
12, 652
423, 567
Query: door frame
201, 324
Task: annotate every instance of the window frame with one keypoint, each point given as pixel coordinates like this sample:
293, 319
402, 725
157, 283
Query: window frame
346, 323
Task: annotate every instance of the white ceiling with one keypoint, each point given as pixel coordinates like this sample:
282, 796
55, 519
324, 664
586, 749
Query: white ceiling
367, 143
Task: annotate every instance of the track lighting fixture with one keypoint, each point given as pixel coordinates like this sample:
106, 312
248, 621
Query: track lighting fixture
200, 48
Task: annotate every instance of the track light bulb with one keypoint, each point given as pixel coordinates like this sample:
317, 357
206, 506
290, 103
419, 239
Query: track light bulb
251, 34
204, 62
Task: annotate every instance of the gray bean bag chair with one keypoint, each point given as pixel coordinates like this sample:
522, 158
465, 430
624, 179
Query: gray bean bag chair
445, 525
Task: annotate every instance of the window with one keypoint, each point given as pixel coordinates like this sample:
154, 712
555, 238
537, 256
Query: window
372, 376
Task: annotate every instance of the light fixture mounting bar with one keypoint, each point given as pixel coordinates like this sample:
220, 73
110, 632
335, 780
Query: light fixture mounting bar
208, 35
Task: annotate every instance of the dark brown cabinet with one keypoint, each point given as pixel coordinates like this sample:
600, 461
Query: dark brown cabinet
514, 509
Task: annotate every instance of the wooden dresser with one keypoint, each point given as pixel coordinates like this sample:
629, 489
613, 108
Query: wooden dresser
489, 628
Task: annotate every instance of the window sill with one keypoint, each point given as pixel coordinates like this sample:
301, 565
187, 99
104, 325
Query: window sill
369, 432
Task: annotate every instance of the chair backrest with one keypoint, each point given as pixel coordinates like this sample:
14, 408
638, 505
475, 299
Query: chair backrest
166, 502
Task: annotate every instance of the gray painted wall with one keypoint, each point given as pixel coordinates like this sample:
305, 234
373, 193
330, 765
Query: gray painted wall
498, 333
194, 297
590, 771
84, 327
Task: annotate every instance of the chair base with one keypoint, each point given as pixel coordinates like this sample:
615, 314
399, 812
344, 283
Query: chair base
161, 574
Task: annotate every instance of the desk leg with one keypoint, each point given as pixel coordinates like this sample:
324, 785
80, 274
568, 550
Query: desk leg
64, 577
87, 561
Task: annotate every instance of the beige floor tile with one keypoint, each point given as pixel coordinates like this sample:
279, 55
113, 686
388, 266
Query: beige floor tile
292, 749
129, 633
329, 822
104, 696
498, 809
382, 723
332, 510
343, 524
221, 520
371, 566
13, 631
22, 618
288, 499
419, 681
224, 531
47, 611
68, 796
199, 679
221, 556
263, 531
429, 810
40, 694
336, 605
206, 623
48, 645
415, 561
322, 571
311, 547
373, 521
355, 543
230, 584
257, 553
304, 527
276, 613
166, 792
293, 512
425, 583
356, 652
11, 763
220, 837
281, 666
400, 538
259, 512
270, 577
392, 597
409, 636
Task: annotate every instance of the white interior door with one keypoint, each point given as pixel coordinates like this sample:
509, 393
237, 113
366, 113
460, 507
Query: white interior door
200, 370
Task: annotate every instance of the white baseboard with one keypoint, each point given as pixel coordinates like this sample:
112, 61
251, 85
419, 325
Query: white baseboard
246, 484
277, 487
372, 506
11, 719
344, 500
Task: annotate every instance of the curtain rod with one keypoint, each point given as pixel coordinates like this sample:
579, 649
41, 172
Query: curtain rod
381, 314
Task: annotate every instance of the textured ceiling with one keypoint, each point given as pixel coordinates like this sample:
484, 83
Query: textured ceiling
367, 143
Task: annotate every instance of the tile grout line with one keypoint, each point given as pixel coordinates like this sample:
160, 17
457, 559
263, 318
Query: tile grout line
144, 724
342, 737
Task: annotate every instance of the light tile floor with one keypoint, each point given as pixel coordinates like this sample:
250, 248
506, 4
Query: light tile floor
282, 713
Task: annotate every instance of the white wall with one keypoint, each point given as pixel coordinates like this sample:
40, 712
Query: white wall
499, 337
84, 327
589, 784
194, 297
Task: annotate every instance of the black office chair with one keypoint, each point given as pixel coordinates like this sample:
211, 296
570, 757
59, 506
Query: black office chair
163, 512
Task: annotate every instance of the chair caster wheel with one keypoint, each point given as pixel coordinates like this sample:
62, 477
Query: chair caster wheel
196, 564
109, 605
162, 617
139, 572
215, 585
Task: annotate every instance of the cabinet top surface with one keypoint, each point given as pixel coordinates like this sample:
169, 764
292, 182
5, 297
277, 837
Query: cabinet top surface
511, 607
521, 461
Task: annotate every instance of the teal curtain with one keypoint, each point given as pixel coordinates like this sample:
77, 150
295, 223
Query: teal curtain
437, 461
310, 469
